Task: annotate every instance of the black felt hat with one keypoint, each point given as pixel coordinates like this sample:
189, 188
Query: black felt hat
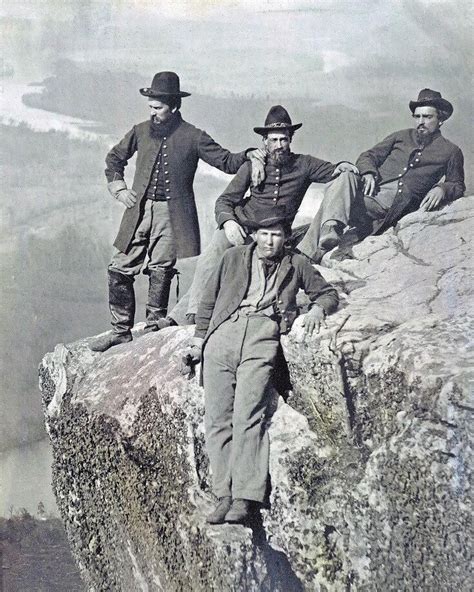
277, 119
164, 84
432, 98
268, 217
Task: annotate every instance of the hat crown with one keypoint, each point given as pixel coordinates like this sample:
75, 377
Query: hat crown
278, 116
428, 95
167, 82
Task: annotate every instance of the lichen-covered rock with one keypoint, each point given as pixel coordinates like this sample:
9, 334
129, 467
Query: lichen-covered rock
370, 459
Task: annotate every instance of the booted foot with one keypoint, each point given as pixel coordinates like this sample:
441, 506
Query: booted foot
104, 342
330, 236
220, 511
240, 512
160, 324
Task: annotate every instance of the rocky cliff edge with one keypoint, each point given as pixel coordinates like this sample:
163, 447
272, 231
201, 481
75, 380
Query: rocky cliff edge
371, 456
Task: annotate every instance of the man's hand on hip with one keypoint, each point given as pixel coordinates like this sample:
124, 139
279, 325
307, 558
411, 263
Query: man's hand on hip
345, 167
234, 232
119, 190
369, 184
432, 199
257, 160
313, 320
127, 197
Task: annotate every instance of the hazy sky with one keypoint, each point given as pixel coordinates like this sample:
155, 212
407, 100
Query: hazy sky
333, 51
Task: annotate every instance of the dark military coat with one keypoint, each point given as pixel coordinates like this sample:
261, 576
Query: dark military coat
417, 169
181, 150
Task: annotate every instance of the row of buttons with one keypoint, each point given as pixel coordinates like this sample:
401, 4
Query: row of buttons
277, 178
400, 183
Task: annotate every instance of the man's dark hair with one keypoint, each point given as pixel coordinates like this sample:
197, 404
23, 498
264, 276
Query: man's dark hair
172, 101
442, 114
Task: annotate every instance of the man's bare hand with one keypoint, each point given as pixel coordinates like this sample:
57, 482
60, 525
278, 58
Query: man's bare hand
432, 199
369, 183
257, 160
234, 232
127, 197
313, 321
345, 167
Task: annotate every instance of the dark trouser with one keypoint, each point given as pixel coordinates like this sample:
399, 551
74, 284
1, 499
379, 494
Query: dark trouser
238, 362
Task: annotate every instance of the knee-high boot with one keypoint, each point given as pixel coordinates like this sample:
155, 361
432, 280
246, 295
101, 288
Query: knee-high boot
122, 311
158, 296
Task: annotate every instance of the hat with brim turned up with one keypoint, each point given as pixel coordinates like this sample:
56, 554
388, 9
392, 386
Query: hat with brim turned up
277, 120
164, 84
432, 98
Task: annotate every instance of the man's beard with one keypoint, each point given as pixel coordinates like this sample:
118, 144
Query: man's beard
279, 156
422, 135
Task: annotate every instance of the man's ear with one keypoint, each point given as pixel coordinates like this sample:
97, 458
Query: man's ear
253, 234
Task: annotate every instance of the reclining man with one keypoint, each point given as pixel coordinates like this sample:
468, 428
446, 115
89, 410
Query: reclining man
399, 175
287, 178
160, 219
248, 302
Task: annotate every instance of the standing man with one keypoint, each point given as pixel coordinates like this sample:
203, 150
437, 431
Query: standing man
160, 219
401, 174
287, 178
248, 302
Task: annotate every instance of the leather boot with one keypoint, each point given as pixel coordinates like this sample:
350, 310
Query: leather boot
220, 511
331, 233
122, 310
158, 295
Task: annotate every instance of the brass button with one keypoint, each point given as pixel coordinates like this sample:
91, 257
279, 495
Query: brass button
167, 181
275, 192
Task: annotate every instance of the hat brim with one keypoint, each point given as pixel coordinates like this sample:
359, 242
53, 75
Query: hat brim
442, 104
275, 129
267, 223
149, 92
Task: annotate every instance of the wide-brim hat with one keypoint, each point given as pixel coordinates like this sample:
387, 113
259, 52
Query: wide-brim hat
432, 98
277, 119
164, 84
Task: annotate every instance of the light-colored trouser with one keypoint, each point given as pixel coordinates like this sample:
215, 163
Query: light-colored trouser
153, 237
238, 362
345, 202
206, 263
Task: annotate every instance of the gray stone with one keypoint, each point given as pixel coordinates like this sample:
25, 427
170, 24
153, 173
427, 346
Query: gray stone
371, 455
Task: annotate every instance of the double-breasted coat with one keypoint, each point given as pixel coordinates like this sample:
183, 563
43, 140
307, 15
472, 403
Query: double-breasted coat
182, 148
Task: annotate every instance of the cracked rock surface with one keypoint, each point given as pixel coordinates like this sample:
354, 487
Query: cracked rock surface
371, 456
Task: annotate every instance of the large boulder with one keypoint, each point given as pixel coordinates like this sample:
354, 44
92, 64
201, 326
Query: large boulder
370, 456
